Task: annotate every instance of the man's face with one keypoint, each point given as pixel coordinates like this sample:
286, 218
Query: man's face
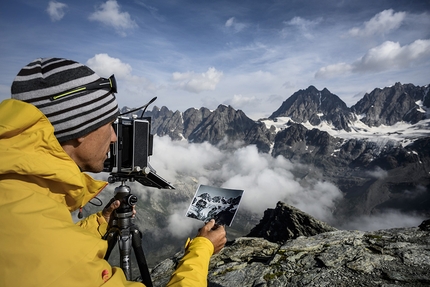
94, 147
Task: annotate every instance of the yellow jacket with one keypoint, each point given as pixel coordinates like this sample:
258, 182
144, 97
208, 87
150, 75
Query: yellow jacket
39, 186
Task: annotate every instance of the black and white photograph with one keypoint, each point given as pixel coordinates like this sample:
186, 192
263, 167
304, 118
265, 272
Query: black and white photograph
216, 203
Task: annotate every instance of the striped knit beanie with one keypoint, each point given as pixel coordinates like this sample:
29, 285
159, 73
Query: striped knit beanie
72, 96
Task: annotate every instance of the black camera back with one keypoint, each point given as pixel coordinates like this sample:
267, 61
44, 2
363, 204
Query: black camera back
133, 147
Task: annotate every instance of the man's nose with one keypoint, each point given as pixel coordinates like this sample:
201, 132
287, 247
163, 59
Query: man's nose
113, 137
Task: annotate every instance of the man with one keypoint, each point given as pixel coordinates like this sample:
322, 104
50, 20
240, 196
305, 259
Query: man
57, 126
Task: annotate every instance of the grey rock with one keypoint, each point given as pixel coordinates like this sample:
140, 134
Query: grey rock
393, 257
287, 222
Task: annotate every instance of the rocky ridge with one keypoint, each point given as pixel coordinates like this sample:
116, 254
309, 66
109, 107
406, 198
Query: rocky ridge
393, 257
287, 222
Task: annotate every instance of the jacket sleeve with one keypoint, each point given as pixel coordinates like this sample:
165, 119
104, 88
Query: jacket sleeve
95, 223
193, 267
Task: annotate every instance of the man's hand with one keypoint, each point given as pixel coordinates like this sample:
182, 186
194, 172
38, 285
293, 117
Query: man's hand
215, 233
107, 211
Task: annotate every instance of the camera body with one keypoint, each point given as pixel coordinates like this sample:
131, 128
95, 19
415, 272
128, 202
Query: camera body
129, 155
133, 147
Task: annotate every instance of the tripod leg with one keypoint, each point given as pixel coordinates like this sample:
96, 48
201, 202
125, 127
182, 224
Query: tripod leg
124, 244
140, 257
110, 237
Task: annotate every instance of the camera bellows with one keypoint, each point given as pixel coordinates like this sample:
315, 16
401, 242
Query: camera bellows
72, 96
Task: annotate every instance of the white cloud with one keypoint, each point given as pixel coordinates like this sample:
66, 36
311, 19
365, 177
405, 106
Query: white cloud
56, 10
382, 23
128, 84
390, 55
415, 192
384, 220
240, 101
303, 25
104, 65
180, 226
196, 83
377, 173
109, 14
233, 24
229, 22
266, 180
332, 71
387, 56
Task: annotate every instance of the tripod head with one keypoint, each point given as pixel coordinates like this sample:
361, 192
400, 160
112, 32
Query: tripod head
122, 216
128, 200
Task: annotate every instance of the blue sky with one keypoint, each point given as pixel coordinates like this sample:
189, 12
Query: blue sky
251, 55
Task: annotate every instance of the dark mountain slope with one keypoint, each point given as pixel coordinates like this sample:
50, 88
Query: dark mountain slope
392, 104
315, 106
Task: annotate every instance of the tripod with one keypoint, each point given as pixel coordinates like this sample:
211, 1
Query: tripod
125, 232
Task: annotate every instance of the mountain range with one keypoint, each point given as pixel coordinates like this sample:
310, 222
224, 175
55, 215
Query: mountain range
377, 152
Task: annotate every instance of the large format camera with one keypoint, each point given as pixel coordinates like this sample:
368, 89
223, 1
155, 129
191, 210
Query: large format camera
129, 155
129, 160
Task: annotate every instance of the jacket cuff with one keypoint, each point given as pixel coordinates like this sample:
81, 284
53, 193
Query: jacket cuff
199, 242
103, 225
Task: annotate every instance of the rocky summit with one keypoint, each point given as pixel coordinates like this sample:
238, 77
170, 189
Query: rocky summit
393, 257
287, 222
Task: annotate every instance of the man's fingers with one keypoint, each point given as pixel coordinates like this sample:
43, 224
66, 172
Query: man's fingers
210, 225
114, 205
215, 233
107, 211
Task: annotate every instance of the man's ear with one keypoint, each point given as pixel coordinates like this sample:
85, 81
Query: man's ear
70, 147
73, 142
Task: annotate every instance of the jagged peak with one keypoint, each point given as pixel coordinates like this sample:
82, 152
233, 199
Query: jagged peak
223, 107
312, 88
287, 222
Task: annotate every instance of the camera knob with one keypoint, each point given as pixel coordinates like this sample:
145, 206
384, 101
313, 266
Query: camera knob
132, 199
146, 170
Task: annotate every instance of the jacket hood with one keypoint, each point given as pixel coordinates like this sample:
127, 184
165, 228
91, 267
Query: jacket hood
28, 148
